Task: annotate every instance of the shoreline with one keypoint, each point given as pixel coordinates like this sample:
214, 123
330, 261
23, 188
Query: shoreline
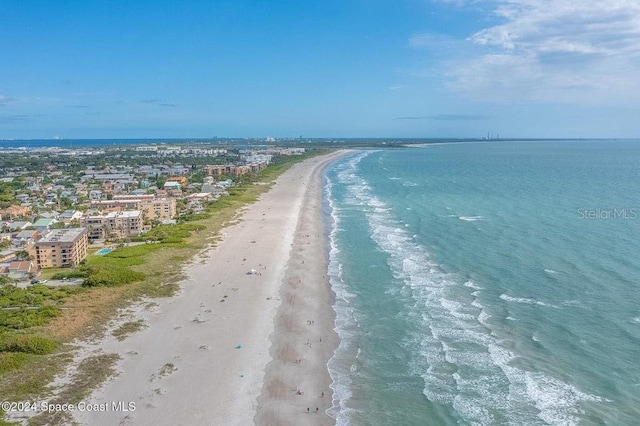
296, 388
200, 357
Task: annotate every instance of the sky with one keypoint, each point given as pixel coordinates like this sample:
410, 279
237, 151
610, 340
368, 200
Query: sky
319, 68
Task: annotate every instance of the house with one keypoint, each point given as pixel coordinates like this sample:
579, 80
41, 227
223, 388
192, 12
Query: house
216, 190
182, 180
62, 248
44, 224
13, 212
23, 237
69, 216
50, 215
22, 270
18, 225
172, 185
200, 196
7, 255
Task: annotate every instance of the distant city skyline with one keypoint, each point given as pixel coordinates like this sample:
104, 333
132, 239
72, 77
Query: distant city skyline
354, 68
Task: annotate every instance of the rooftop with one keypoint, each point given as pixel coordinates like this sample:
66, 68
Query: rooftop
68, 235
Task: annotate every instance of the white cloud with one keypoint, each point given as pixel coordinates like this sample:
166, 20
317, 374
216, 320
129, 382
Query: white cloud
551, 50
398, 87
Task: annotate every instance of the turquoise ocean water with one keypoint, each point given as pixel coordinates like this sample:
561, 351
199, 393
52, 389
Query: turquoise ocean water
487, 283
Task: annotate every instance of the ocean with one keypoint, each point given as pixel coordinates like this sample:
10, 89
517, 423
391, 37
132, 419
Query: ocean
89, 143
486, 284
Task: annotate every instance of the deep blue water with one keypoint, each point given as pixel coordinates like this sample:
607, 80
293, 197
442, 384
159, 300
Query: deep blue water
487, 283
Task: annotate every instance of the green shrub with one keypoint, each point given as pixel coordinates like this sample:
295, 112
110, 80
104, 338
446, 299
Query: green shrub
111, 276
24, 318
12, 361
79, 272
35, 295
28, 344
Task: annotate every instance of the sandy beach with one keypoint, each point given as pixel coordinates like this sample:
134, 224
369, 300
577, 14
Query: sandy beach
248, 336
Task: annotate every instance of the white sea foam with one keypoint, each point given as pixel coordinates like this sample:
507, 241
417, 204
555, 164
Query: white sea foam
525, 301
343, 360
471, 284
551, 271
575, 303
470, 218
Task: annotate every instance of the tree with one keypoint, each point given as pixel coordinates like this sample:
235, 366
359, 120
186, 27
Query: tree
23, 255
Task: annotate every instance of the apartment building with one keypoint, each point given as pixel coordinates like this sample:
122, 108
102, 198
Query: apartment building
153, 208
114, 225
226, 169
62, 247
159, 208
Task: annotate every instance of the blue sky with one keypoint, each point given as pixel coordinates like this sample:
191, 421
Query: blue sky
319, 68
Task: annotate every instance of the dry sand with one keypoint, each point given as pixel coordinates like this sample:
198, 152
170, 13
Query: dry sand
201, 358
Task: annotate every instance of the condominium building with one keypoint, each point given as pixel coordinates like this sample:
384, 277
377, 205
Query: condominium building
152, 207
114, 225
226, 169
159, 208
235, 170
62, 247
